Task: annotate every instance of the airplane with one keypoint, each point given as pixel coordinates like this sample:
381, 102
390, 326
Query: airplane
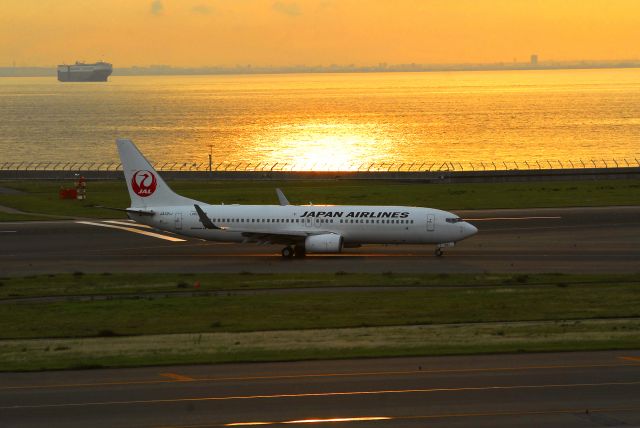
301, 229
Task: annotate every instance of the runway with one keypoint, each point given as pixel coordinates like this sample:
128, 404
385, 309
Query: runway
571, 240
528, 390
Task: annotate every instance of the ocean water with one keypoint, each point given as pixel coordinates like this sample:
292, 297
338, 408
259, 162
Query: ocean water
328, 121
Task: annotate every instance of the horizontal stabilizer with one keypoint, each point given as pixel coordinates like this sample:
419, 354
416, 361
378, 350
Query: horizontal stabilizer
140, 211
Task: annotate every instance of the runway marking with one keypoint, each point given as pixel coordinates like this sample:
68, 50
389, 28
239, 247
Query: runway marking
434, 416
128, 223
323, 375
134, 230
8, 231
312, 421
578, 226
177, 377
320, 394
513, 218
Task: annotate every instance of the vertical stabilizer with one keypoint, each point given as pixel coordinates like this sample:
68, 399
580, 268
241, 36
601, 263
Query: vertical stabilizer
146, 187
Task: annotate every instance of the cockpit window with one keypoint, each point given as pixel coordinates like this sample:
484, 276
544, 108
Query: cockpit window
454, 220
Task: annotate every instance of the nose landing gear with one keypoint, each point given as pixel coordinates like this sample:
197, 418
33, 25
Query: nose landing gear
439, 252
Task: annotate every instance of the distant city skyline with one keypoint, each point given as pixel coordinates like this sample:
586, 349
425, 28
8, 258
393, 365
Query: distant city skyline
289, 33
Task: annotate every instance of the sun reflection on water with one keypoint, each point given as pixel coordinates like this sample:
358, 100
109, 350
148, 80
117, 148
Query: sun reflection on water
317, 146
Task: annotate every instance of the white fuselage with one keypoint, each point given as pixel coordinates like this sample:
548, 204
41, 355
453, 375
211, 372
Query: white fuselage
356, 224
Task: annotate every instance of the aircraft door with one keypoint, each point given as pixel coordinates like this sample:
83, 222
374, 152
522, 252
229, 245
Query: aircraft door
308, 221
431, 223
178, 221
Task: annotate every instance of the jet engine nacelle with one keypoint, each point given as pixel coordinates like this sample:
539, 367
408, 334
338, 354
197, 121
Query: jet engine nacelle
326, 243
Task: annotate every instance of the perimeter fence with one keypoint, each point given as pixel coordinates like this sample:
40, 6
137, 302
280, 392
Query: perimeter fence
422, 166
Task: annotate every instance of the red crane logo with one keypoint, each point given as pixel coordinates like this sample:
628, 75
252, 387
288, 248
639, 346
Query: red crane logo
144, 183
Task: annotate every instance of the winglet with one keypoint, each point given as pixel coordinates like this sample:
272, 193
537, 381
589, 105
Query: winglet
282, 198
206, 221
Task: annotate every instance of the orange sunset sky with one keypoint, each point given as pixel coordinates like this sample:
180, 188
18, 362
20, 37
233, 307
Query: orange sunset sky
193, 33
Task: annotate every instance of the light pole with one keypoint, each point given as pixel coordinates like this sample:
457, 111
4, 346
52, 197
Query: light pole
210, 156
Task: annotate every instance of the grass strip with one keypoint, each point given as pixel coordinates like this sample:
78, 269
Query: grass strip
318, 310
41, 196
47, 354
80, 284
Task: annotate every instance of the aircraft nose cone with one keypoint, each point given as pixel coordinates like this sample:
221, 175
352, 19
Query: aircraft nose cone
470, 229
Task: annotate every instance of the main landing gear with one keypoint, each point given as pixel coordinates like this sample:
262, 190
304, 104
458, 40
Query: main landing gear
289, 252
439, 252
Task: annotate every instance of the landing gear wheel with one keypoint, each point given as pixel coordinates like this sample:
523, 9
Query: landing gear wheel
287, 252
439, 252
300, 251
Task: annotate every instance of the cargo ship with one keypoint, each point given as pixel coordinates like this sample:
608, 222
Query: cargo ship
81, 72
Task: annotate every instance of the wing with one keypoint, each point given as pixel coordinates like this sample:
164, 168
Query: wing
206, 221
290, 237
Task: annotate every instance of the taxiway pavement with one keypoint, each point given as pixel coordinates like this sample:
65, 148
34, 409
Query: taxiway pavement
524, 390
570, 240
